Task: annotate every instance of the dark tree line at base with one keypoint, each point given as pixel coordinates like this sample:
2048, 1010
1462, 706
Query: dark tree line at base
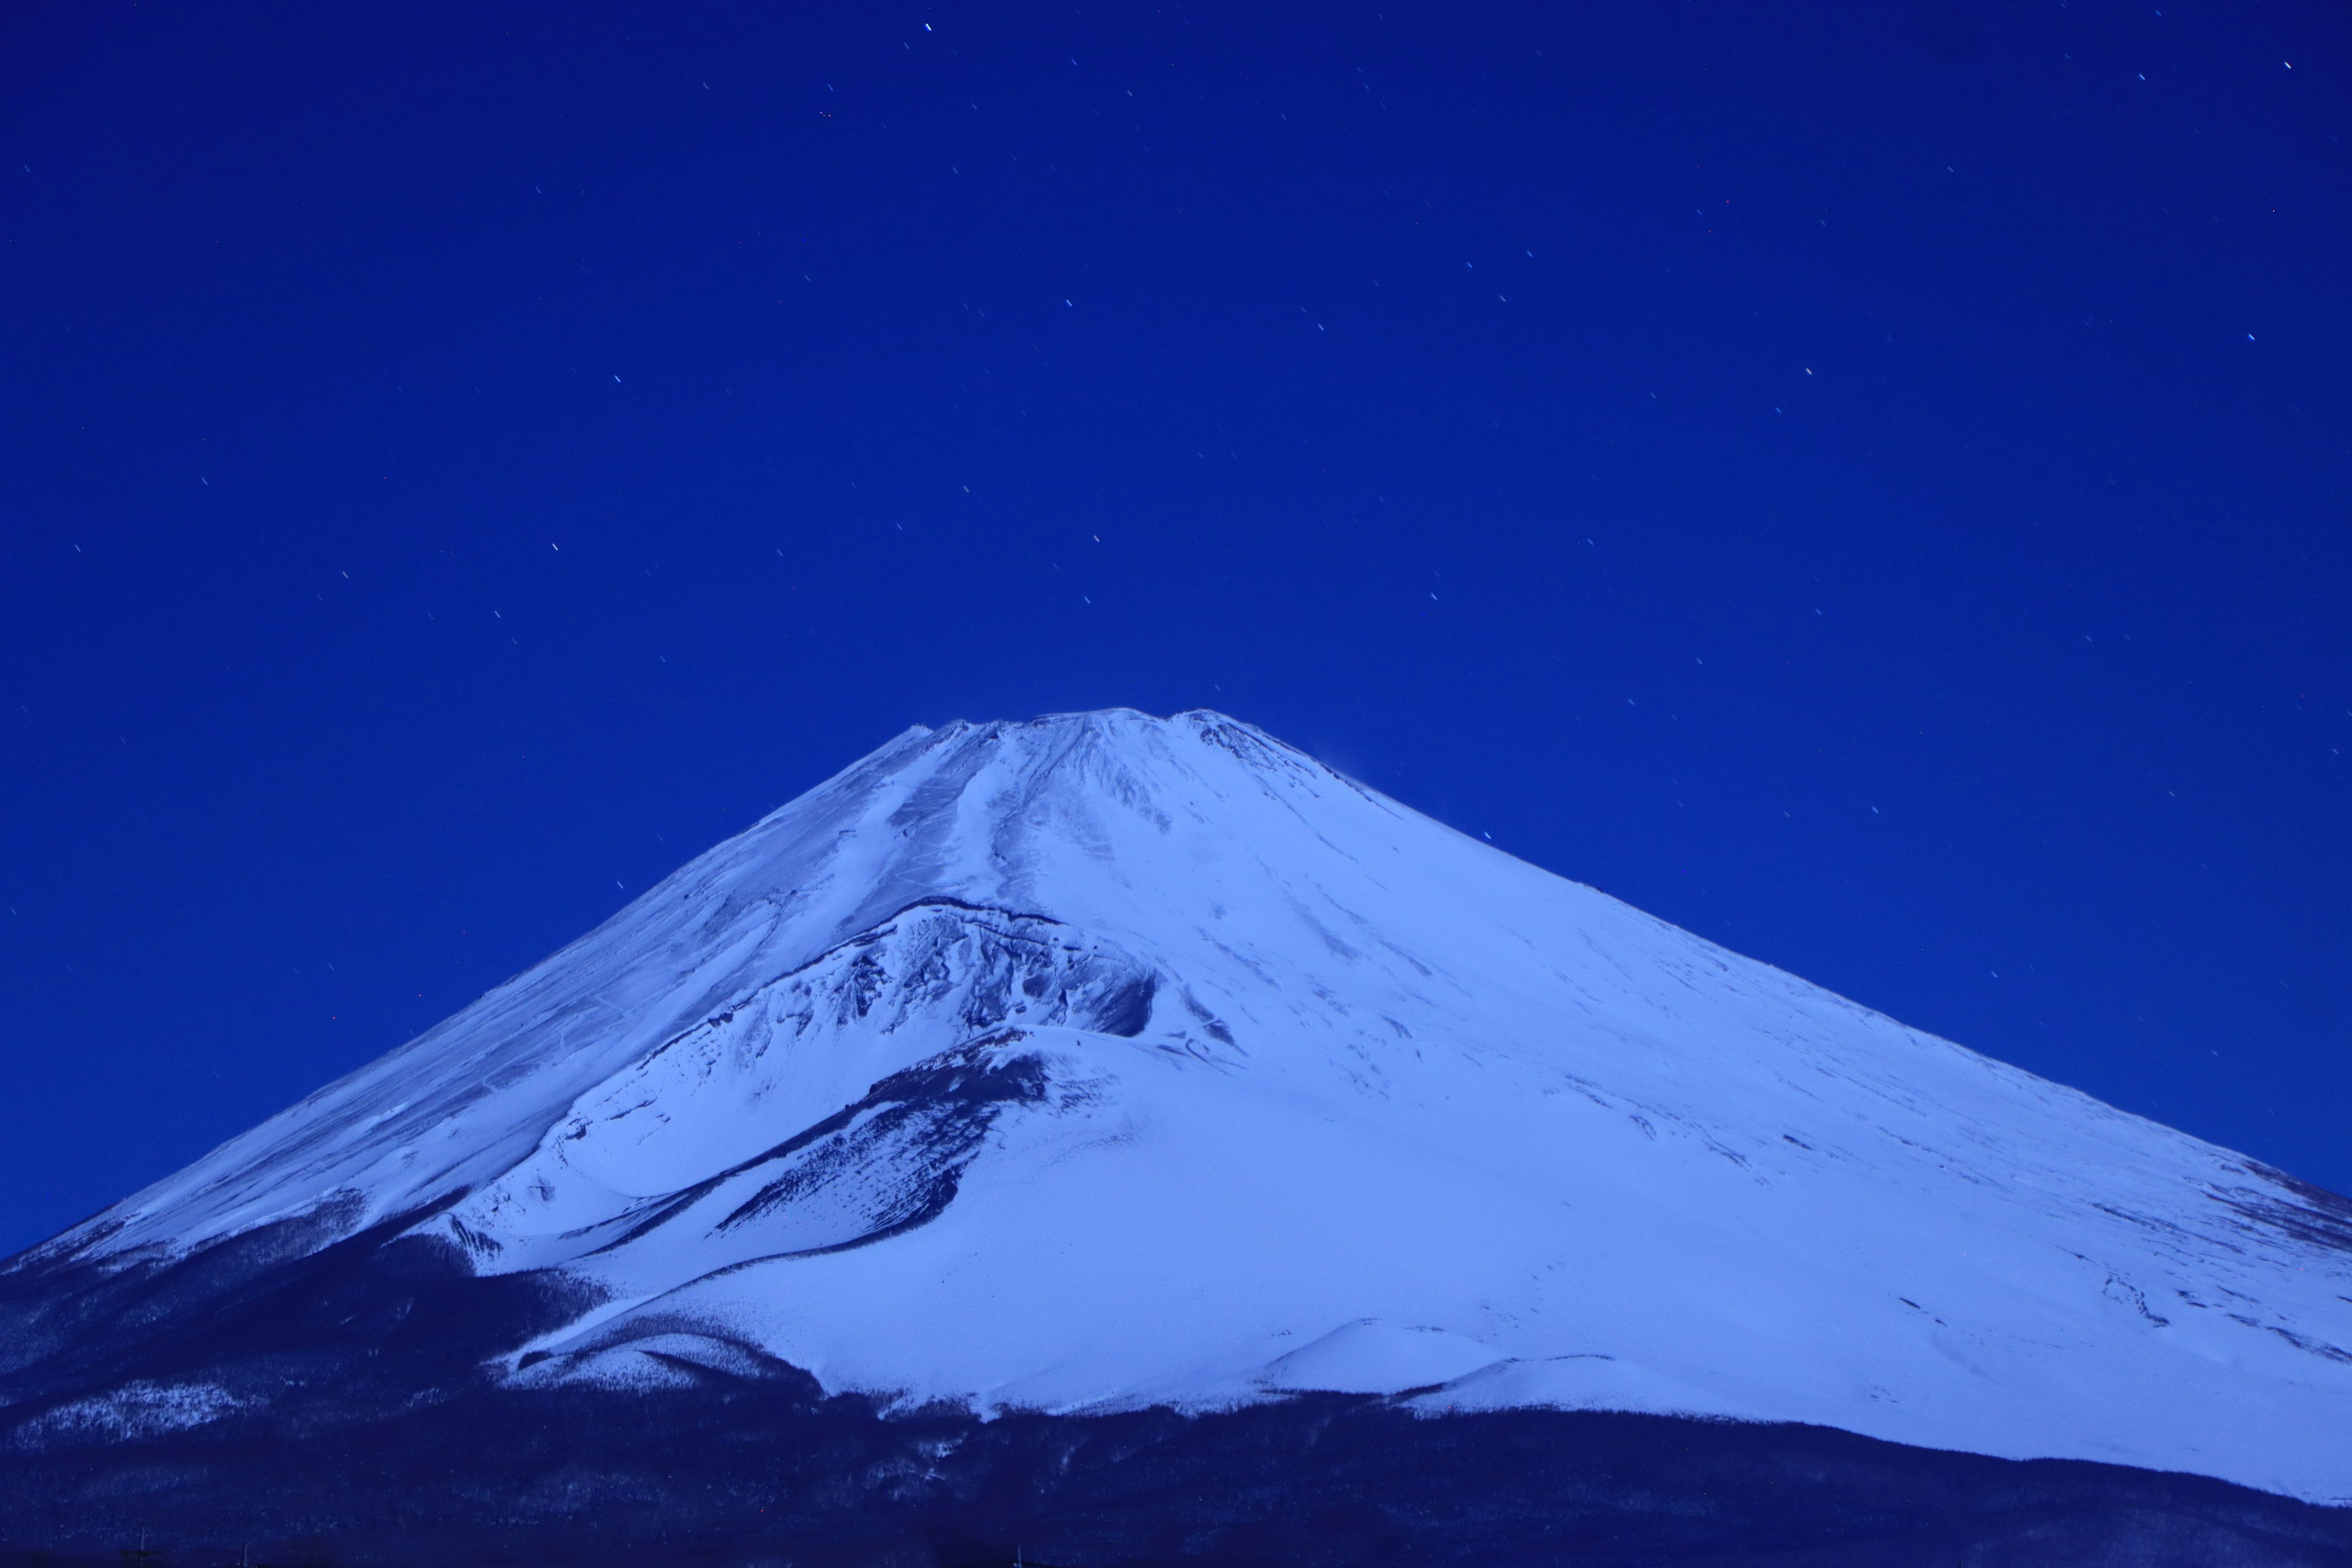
768, 1472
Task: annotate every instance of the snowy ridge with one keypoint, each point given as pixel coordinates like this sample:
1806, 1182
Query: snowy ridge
1106, 1060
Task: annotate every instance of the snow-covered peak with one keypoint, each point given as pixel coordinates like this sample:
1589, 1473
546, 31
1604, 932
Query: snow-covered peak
1110, 1059
988, 814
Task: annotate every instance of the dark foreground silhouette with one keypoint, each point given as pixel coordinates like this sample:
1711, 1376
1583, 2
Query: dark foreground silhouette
765, 1474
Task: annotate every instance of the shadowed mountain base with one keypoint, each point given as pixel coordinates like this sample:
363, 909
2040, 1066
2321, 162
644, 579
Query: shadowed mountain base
768, 1472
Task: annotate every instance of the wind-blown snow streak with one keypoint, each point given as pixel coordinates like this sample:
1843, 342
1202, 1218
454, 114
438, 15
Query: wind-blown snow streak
1107, 1061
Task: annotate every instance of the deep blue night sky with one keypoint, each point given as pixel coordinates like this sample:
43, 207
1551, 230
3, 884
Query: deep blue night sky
1867, 483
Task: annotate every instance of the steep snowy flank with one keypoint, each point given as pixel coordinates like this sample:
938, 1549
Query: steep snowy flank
1109, 1060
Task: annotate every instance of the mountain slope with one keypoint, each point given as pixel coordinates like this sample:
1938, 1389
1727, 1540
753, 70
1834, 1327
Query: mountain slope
1105, 1062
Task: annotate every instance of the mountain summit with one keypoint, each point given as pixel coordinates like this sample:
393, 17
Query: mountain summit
1108, 1062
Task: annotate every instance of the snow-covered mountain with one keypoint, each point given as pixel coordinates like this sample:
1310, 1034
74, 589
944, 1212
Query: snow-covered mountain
1109, 1061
